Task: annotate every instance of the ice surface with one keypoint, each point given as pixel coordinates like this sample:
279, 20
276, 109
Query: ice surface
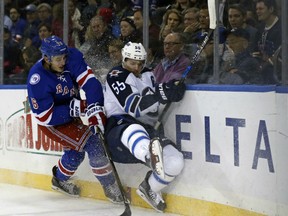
17, 200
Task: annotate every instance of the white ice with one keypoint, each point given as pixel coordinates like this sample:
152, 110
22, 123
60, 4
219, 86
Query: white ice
18, 201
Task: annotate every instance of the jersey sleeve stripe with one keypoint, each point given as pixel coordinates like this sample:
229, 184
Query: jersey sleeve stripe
85, 76
45, 117
132, 105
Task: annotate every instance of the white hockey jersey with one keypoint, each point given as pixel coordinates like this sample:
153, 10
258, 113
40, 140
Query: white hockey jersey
127, 94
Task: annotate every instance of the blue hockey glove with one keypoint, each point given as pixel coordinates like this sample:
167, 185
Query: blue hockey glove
173, 91
77, 107
96, 117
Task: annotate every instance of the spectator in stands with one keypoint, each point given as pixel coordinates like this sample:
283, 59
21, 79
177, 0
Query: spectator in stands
172, 22
18, 25
237, 19
30, 56
12, 58
204, 67
153, 30
95, 49
129, 32
204, 21
191, 20
44, 11
191, 27
121, 9
114, 49
31, 30
245, 69
268, 37
7, 22
44, 31
175, 62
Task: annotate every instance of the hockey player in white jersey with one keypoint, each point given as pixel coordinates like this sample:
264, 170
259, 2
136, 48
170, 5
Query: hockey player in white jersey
131, 100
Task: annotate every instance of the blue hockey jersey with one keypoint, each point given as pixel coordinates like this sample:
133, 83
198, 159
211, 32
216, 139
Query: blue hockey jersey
49, 94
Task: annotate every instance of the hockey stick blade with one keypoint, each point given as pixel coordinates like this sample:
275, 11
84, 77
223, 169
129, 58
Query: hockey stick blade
127, 211
212, 14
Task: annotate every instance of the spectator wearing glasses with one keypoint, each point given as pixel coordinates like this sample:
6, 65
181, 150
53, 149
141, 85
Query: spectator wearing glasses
174, 62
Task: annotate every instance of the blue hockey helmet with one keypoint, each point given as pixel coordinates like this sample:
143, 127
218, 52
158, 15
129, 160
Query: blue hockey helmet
53, 46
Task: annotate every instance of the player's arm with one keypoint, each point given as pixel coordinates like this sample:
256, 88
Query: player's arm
87, 81
138, 105
44, 108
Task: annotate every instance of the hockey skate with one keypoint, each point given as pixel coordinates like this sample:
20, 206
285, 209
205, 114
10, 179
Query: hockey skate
112, 192
156, 157
154, 199
65, 187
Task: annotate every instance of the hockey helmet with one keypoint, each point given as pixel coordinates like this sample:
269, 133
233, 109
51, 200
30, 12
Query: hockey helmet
135, 51
53, 46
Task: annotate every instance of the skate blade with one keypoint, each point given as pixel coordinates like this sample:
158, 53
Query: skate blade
142, 195
64, 192
156, 150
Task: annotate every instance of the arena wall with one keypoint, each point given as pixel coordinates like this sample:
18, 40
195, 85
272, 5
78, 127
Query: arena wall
234, 139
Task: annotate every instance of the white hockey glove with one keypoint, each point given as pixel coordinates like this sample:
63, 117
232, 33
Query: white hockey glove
96, 117
77, 107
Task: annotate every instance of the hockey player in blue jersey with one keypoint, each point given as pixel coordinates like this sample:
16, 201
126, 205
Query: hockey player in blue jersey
131, 100
53, 93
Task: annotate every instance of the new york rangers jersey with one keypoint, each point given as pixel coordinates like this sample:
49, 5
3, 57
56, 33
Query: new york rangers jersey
126, 93
49, 93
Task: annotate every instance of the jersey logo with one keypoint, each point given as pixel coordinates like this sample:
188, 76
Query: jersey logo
115, 73
62, 78
35, 78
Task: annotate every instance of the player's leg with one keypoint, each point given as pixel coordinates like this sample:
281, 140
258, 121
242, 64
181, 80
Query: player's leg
72, 136
150, 188
67, 166
102, 169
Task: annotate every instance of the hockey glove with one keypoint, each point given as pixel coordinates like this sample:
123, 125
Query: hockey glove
173, 91
77, 107
96, 117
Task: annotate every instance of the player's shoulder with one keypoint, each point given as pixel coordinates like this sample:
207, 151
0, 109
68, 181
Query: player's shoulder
74, 54
36, 72
117, 74
37, 78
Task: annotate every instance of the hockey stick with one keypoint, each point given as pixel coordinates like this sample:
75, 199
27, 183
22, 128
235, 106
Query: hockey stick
212, 26
127, 211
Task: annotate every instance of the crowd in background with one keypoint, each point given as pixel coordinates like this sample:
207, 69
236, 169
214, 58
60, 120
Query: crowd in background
249, 37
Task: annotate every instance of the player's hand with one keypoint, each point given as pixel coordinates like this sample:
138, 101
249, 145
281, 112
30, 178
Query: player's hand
77, 107
173, 91
96, 117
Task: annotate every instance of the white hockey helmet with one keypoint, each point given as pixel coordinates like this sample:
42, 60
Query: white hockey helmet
135, 51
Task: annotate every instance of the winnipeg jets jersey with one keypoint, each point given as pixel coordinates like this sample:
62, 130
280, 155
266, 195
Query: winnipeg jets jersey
127, 94
50, 93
